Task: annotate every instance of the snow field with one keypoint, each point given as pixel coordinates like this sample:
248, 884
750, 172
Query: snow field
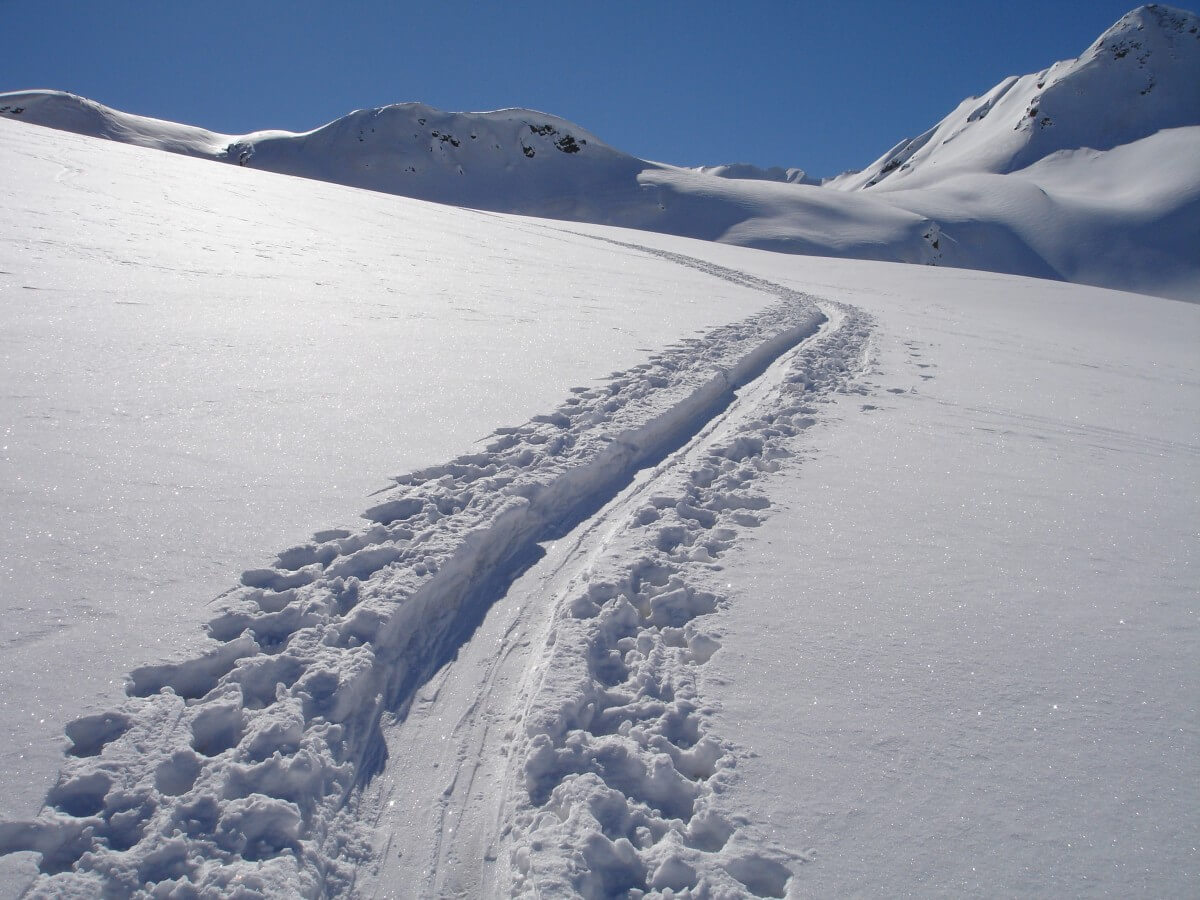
241, 362
233, 767
976, 673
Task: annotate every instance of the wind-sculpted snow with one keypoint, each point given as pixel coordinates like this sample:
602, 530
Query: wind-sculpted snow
748, 172
232, 770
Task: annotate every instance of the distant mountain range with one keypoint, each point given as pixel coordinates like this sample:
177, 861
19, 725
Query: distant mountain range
1088, 171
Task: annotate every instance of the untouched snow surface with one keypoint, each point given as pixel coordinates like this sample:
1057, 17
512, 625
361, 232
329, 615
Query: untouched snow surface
1085, 172
852, 578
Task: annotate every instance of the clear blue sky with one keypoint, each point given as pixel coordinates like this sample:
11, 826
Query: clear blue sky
825, 86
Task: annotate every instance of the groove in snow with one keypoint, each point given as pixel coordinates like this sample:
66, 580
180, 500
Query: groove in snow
620, 770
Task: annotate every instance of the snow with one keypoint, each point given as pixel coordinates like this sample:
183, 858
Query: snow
986, 681
715, 570
285, 709
757, 173
163, 382
1139, 77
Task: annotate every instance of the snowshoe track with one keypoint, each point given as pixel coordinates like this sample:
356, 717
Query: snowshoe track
232, 770
621, 769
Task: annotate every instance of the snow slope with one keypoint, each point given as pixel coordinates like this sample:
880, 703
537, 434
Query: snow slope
511, 160
746, 171
581, 655
994, 186
986, 682
1121, 218
163, 381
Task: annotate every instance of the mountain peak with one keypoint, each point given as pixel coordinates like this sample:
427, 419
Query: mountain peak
1139, 77
1175, 24
1142, 33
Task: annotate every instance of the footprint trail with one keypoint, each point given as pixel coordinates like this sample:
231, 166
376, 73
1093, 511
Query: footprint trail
240, 768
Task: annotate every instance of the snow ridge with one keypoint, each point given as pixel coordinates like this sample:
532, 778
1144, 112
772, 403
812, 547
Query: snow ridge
509, 160
1138, 78
752, 172
237, 769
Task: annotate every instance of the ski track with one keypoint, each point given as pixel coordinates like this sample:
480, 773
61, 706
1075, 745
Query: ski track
242, 769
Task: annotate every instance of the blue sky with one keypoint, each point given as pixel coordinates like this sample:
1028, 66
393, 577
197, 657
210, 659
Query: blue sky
823, 86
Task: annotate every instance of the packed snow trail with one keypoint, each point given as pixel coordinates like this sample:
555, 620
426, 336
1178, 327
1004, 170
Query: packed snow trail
235, 768
445, 819
620, 769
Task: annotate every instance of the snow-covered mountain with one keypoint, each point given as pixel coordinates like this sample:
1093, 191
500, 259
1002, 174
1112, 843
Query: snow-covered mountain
514, 160
1084, 172
1140, 77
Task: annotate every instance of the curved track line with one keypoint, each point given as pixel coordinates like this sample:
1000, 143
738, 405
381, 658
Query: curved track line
233, 769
